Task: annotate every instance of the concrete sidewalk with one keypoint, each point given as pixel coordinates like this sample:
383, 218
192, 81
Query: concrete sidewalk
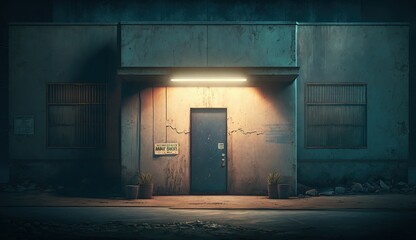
376, 201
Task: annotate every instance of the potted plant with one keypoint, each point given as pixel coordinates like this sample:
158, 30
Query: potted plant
131, 188
131, 191
145, 186
272, 181
283, 190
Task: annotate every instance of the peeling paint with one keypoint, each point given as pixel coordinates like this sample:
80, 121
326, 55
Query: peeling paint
208, 97
252, 181
174, 176
402, 127
249, 156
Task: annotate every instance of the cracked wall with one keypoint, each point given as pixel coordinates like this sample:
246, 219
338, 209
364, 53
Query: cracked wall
260, 134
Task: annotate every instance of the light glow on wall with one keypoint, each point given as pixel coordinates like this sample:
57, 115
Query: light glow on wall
210, 79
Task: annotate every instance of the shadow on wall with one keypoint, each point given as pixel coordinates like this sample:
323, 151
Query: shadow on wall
99, 67
98, 170
82, 171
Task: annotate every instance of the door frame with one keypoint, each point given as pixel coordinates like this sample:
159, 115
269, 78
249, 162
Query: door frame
190, 150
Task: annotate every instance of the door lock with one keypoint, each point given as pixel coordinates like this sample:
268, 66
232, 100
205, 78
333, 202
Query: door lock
223, 160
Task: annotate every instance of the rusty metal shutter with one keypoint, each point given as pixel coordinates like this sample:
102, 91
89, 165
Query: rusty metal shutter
77, 115
336, 115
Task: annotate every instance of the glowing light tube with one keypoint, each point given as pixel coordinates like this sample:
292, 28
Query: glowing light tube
211, 79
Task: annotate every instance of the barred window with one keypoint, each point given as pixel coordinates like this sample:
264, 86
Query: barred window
76, 115
336, 115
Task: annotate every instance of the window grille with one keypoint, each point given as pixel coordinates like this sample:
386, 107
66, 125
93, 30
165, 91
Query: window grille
77, 115
336, 115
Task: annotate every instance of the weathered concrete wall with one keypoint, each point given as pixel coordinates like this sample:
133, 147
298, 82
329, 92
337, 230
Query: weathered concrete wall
263, 117
41, 54
260, 134
376, 55
231, 10
222, 45
130, 125
373, 54
160, 46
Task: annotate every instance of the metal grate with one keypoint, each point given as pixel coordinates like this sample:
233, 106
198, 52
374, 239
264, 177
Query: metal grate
336, 115
77, 115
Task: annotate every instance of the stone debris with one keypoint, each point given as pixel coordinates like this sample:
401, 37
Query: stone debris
28, 186
357, 187
22, 229
303, 188
383, 185
312, 192
369, 187
339, 190
326, 192
401, 184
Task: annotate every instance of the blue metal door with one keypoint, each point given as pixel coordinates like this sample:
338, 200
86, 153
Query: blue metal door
208, 150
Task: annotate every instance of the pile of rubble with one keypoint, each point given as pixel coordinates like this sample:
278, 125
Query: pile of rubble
26, 229
370, 187
29, 186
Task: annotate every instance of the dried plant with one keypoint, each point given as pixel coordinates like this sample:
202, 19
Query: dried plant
273, 178
145, 178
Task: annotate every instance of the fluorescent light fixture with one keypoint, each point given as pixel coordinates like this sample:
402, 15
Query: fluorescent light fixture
210, 79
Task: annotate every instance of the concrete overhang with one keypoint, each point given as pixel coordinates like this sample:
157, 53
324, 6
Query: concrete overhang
160, 76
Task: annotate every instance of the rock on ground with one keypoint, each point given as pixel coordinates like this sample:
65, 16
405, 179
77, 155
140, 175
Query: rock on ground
312, 192
357, 187
339, 190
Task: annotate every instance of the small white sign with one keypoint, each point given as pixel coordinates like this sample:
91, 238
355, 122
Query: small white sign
220, 146
24, 125
166, 148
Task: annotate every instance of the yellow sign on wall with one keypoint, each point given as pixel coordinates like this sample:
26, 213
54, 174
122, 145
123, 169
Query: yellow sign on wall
166, 148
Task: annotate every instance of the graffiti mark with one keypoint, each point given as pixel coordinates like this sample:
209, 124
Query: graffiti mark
402, 127
280, 133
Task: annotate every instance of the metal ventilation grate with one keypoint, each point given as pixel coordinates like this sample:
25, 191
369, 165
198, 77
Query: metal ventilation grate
336, 115
77, 115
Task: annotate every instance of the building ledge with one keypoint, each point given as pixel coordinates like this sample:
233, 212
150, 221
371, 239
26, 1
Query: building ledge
162, 75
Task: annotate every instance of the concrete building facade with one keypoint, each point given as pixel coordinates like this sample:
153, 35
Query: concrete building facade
323, 102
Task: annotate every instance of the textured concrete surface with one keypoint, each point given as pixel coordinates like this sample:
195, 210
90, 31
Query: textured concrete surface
4, 173
202, 45
162, 223
373, 54
382, 201
256, 116
376, 55
42, 54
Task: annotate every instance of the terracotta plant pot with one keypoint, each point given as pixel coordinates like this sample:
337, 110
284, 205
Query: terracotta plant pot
272, 191
284, 190
146, 191
131, 191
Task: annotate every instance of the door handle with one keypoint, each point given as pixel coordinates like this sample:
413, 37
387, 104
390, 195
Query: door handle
223, 160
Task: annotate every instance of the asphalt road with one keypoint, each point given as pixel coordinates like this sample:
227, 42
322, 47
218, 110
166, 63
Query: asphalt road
164, 223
